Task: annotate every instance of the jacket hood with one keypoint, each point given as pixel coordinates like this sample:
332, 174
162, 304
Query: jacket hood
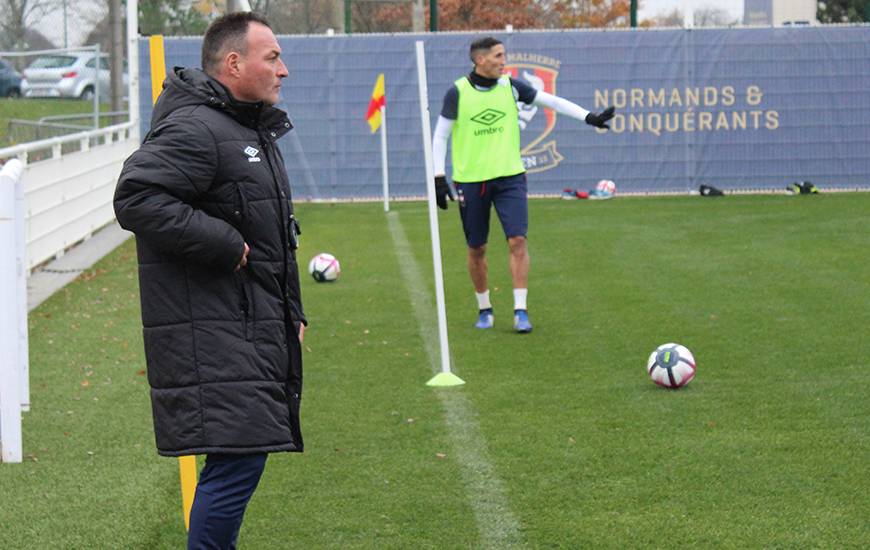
185, 87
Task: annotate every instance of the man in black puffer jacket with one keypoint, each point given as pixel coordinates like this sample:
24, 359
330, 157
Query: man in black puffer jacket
208, 198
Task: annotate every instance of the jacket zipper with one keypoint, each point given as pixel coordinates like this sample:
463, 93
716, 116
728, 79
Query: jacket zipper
267, 145
247, 320
293, 379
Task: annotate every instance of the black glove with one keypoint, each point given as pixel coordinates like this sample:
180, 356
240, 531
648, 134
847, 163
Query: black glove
442, 192
599, 120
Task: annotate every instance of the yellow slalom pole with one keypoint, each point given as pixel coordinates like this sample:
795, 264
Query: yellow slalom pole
186, 464
158, 66
187, 471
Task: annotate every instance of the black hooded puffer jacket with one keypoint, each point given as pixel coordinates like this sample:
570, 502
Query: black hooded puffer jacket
224, 361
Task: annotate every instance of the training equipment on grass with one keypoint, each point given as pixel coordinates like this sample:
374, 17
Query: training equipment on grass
186, 464
709, 191
802, 188
604, 189
671, 366
445, 377
607, 186
324, 268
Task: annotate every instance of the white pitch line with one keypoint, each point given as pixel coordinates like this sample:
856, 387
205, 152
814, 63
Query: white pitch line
496, 523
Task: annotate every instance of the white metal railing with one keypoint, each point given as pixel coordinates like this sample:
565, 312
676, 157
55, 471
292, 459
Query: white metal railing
68, 195
109, 134
14, 379
48, 203
46, 206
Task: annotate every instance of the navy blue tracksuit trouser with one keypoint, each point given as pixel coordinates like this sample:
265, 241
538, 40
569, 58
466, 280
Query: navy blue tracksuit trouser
225, 486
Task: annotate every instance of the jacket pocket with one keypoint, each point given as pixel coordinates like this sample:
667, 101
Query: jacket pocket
294, 390
246, 303
293, 232
295, 423
241, 208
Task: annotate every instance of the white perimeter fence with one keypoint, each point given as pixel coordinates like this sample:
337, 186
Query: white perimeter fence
13, 325
53, 194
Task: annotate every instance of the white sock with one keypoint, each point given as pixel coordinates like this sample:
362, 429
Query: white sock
520, 295
483, 300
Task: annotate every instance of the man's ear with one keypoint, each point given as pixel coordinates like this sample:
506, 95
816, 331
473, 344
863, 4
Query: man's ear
231, 63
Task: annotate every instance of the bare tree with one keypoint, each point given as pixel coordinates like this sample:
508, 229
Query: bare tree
16, 16
299, 16
595, 13
671, 19
709, 16
260, 6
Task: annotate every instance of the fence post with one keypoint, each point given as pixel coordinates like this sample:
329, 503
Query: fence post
10, 386
21, 274
97, 73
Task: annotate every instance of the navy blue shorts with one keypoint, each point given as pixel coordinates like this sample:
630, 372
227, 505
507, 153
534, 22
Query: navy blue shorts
510, 197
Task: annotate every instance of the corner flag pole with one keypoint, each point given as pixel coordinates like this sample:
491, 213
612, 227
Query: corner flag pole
376, 116
445, 377
186, 464
385, 172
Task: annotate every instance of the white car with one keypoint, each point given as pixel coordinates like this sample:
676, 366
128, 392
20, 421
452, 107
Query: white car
67, 75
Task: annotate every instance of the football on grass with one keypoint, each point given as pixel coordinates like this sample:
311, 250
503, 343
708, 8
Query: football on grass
671, 366
324, 268
606, 186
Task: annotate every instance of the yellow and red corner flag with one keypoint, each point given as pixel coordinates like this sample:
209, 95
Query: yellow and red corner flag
379, 99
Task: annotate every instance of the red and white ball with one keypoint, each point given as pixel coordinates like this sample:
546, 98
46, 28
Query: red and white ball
671, 366
324, 268
607, 186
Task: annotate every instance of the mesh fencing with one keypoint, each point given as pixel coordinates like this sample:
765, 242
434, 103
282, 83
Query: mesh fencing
739, 109
58, 62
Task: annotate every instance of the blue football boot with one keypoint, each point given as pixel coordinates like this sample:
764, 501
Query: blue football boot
485, 319
521, 321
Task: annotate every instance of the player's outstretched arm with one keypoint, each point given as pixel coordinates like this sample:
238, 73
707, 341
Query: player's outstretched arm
571, 109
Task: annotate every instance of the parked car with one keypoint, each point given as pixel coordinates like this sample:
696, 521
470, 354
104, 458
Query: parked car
10, 80
67, 75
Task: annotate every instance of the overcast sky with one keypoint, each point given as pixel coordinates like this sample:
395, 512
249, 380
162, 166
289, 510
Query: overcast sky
652, 8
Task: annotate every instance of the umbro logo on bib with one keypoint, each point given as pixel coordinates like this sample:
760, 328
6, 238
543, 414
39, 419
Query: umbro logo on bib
488, 117
252, 154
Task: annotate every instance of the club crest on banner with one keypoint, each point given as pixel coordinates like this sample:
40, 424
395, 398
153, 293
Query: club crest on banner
536, 123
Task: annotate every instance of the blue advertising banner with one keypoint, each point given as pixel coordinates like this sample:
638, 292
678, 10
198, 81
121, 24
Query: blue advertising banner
753, 108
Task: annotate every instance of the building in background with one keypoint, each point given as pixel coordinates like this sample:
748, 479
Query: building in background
779, 12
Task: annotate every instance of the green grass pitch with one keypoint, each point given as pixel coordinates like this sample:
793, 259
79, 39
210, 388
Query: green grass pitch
557, 440
34, 109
